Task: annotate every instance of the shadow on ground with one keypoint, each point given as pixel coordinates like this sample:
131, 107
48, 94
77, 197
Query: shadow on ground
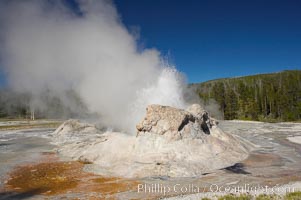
18, 195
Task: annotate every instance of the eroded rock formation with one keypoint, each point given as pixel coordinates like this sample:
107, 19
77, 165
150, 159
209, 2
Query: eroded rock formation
175, 123
169, 142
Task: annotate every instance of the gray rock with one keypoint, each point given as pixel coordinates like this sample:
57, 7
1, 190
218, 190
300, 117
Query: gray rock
170, 142
175, 123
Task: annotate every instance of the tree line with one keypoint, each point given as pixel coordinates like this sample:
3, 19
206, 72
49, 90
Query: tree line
47, 104
264, 97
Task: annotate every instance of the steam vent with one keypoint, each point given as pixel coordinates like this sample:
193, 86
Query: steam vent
169, 142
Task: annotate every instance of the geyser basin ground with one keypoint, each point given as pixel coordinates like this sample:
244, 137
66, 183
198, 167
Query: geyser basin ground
170, 142
276, 161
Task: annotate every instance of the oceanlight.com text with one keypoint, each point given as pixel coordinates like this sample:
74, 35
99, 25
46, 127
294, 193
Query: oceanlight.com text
213, 188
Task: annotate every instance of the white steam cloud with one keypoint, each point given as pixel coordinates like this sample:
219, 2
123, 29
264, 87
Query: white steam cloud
45, 45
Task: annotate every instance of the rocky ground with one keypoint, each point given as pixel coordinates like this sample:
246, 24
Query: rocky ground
274, 164
28, 159
170, 142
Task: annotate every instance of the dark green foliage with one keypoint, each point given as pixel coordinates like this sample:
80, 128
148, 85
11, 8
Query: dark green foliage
232, 197
268, 197
264, 97
293, 196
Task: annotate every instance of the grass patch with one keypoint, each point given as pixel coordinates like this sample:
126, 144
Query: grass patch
233, 197
293, 196
267, 197
289, 196
28, 125
12, 119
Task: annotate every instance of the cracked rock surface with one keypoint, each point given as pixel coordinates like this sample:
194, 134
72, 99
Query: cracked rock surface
176, 124
170, 142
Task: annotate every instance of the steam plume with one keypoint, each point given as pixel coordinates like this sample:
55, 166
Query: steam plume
46, 45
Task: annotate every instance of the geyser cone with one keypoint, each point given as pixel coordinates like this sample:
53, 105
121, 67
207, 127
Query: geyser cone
170, 142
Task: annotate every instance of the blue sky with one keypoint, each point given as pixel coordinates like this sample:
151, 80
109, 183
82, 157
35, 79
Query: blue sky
209, 39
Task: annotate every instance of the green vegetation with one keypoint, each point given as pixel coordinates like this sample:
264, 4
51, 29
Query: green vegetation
267, 197
28, 125
233, 197
293, 196
289, 196
265, 97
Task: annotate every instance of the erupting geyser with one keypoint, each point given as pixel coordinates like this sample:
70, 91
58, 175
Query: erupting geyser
170, 142
90, 52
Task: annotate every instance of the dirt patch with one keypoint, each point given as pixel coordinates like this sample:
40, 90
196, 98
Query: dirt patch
111, 185
53, 177
262, 160
44, 178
